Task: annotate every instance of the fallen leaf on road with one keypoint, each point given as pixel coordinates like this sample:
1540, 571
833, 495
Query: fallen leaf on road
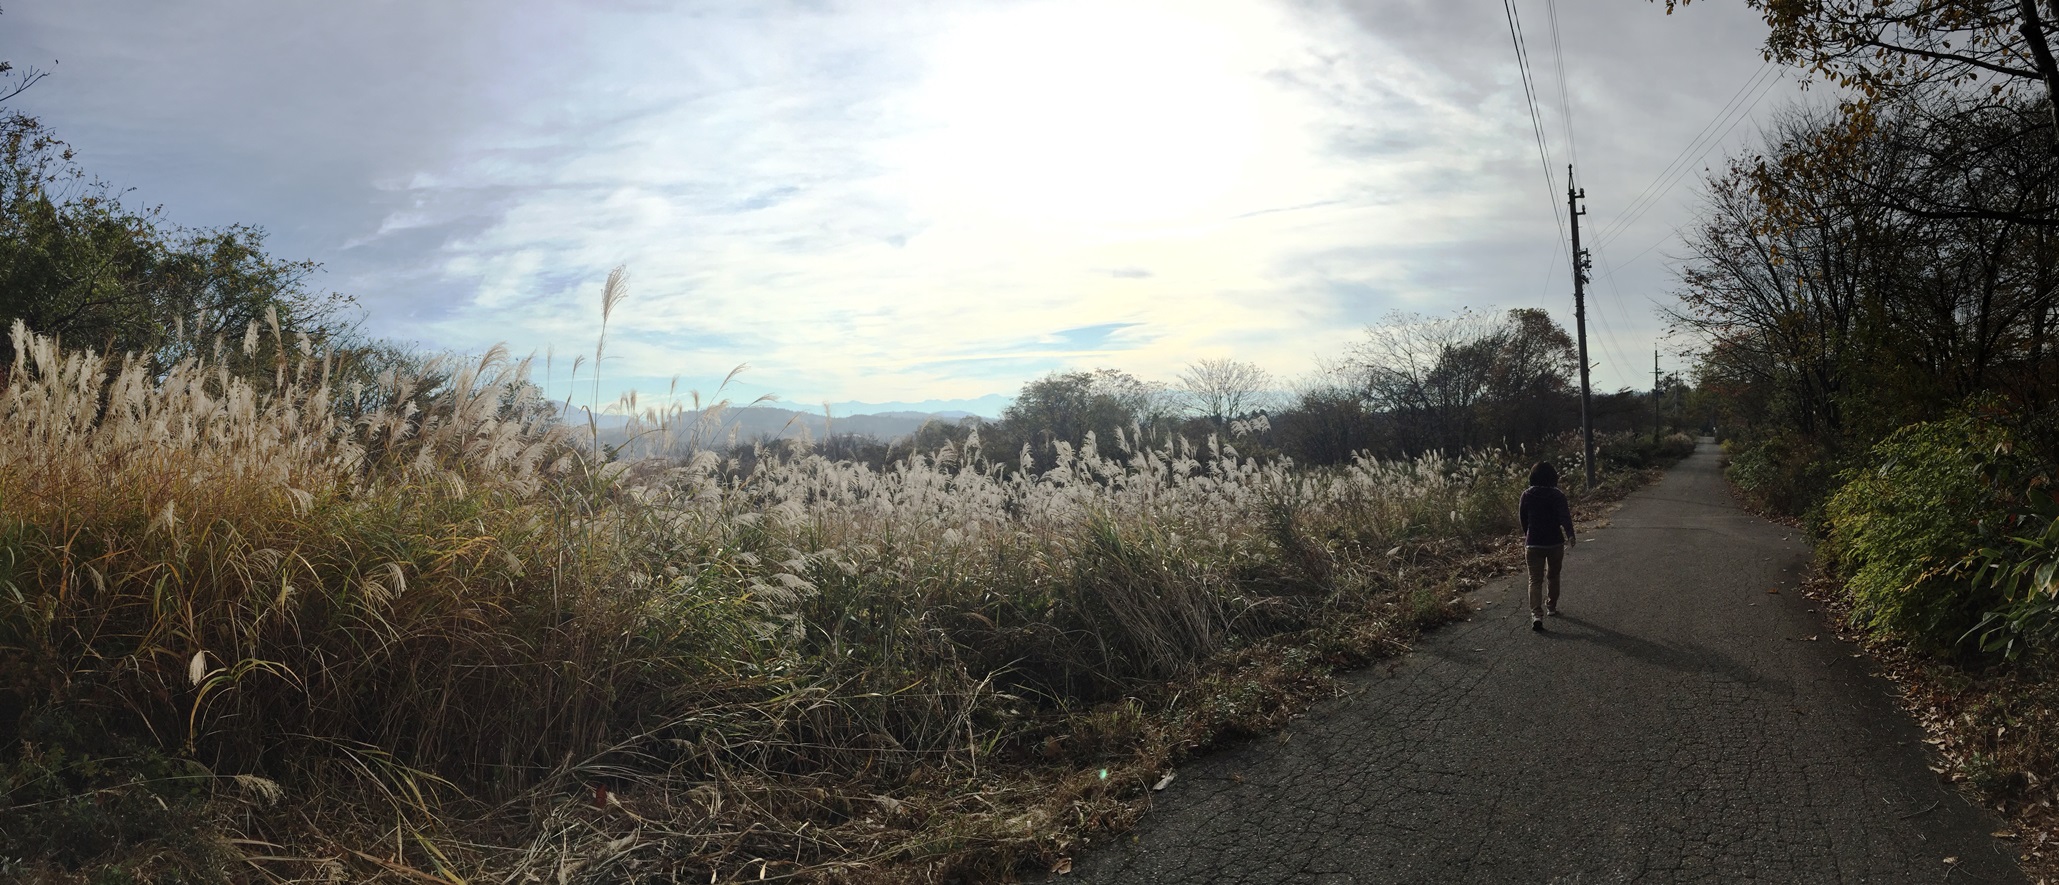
1063, 866
1809, 639
1163, 782
1951, 860
2003, 834
1773, 589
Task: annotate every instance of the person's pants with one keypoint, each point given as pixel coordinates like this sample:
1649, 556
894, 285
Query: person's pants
1545, 564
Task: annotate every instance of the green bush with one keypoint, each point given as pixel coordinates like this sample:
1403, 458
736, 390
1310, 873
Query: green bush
1786, 474
1637, 451
2023, 570
76, 797
1903, 525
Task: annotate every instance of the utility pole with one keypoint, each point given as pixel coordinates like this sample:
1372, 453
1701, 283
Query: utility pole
1580, 319
1655, 419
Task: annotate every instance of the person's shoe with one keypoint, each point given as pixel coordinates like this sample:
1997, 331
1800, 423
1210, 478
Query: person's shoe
1536, 623
1551, 611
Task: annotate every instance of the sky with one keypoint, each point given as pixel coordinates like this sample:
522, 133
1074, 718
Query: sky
914, 202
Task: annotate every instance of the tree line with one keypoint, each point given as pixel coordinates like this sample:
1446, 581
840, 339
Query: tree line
1411, 384
1873, 287
1882, 262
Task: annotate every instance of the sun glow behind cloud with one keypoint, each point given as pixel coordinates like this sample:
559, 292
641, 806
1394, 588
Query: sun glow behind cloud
923, 207
1102, 120
906, 201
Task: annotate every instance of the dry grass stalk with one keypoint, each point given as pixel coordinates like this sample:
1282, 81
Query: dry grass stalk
427, 617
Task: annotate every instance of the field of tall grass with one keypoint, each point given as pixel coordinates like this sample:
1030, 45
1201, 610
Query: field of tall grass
274, 626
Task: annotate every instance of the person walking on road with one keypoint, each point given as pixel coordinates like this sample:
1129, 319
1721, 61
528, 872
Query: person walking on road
1547, 520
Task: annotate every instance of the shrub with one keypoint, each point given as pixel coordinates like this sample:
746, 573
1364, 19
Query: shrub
1787, 474
1903, 525
2023, 570
1637, 451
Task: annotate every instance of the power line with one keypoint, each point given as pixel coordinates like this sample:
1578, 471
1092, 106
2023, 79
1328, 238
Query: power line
1558, 56
1611, 272
1530, 100
1611, 345
1544, 296
1608, 332
1739, 118
1722, 114
1530, 90
1711, 135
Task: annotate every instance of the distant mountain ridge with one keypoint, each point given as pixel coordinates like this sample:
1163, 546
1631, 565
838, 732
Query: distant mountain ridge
988, 407
746, 424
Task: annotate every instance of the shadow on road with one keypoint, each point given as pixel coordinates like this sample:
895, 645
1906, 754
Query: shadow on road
1692, 659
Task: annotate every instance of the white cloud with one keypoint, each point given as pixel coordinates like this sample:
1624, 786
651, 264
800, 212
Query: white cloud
905, 234
903, 202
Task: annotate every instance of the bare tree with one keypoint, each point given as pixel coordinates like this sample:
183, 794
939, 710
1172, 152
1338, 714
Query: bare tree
13, 83
1849, 316
1223, 389
1466, 380
1066, 406
1426, 374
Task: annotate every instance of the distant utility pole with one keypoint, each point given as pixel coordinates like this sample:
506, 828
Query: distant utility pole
1580, 264
1655, 419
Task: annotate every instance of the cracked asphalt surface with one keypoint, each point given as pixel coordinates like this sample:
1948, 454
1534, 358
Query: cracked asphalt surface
1679, 723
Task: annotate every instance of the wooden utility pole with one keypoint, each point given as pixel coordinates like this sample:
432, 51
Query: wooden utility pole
1580, 320
1655, 419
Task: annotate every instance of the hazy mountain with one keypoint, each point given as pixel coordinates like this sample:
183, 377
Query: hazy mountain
988, 407
765, 422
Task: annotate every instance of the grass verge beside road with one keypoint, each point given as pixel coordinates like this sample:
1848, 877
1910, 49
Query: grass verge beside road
271, 629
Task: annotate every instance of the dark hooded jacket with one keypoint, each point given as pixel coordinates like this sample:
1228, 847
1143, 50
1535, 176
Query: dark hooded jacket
1545, 513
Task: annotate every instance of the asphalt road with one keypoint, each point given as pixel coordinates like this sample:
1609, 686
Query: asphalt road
1678, 724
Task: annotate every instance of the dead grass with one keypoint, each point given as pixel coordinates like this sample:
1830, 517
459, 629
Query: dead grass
256, 626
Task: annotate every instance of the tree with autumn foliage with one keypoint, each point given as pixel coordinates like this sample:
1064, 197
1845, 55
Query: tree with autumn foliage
1466, 381
1936, 64
1850, 316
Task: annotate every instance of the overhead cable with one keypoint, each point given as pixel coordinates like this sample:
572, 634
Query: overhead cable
1515, 23
1719, 128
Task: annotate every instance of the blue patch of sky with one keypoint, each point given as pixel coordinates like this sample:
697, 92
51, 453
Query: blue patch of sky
762, 200
1095, 337
997, 366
